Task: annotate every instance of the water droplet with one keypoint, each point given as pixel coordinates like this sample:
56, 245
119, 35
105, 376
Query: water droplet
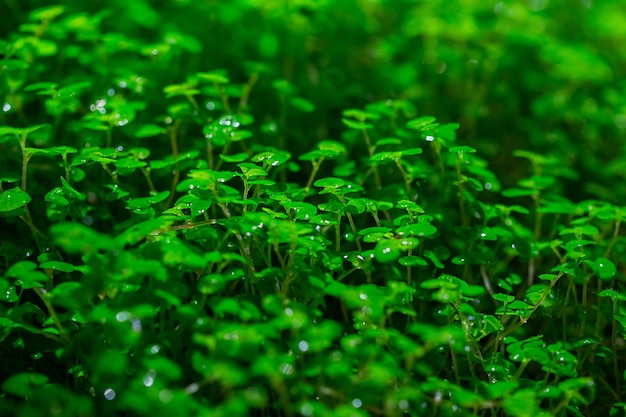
148, 380
155, 349
231, 336
430, 138
357, 403
303, 345
286, 368
437, 397
306, 410
122, 316
6, 107
165, 396
192, 388
109, 394
363, 296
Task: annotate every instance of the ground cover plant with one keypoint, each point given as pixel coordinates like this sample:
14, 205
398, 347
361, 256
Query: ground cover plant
312, 208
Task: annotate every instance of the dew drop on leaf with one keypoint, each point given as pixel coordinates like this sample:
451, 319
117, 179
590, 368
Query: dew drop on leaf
109, 394
303, 345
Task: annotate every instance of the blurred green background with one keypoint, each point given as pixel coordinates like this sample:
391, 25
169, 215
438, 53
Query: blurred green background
540, 75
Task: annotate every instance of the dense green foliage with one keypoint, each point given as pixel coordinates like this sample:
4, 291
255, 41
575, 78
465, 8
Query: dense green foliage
312, 208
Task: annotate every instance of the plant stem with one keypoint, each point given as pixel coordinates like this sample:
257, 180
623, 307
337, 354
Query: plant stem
616, 370
173, 135
224, 98
460, 180
354, 232
316, 166
370, 151
243, 101
53, 314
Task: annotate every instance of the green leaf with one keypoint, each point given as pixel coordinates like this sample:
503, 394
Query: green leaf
58, 266
493, 233
382, 157
217, 77
302, 104
462, 149
46, 13
23, 384
251, 170
71, 192
387, 250
410, 207
240, 134
330, 182
21, 268
388, 141
603, 267
333, 146
145, 202
612, 294
412, 261
12, 64
272, 158
360, 114
300, 210
238, 157
421, 229
357, 125
522, 403
515, 308
412, 151
76, 238
432, 256
518, 192
141, 231
13, 199
148, 130
580, 231
53, 151
421, 123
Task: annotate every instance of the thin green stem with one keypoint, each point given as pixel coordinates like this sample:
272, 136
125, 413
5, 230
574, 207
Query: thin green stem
173, 136
459, 174
224, 97
146, 173
354, 232
616, 370
243, 101
406, 177
338, 233
370, 151
51, 311
316, 166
